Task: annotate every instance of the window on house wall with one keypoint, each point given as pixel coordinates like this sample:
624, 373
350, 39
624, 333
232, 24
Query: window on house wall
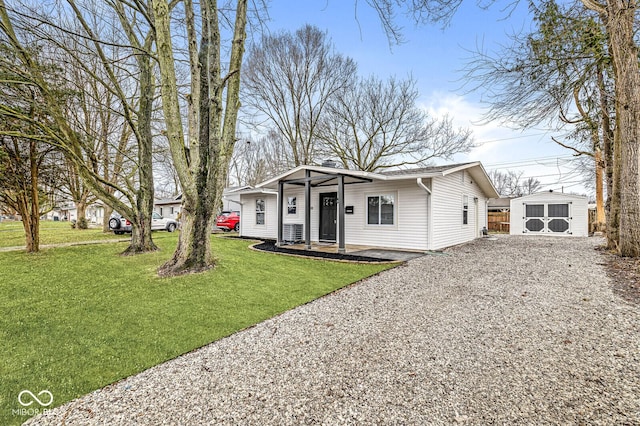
171, 210
380, 209
260, 211
160, 211
465, 210
292, 205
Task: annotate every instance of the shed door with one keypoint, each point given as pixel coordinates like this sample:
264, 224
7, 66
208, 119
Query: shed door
547, 218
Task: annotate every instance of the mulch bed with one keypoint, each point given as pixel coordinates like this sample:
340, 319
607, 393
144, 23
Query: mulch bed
270, 246
624, 273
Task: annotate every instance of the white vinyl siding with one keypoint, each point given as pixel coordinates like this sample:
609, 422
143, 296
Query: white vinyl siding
447, 210
249, 228
409, 230
410, 227
411, 222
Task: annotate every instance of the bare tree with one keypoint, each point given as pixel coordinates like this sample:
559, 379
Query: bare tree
257, 160
62, 129
202, 158
620, 20
530, 185
558, 75
376, 125
510, 183
289, 79
28, 173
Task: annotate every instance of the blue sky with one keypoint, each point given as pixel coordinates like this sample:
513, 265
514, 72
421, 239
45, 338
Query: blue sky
435, 57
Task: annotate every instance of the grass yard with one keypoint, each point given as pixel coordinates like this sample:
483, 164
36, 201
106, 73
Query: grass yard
12, 234
75, 319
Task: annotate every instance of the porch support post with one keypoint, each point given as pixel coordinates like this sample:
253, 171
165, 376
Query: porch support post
307, 210
280, 197
341, 214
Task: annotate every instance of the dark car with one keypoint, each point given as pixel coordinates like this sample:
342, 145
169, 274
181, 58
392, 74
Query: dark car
228, 220
120, 224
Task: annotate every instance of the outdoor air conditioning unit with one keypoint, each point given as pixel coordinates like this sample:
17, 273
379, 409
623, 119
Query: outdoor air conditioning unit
292, 232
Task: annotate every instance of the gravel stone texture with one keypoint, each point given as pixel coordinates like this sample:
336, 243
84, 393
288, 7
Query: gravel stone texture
509, 330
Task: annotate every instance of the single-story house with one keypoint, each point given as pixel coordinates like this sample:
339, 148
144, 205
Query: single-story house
550, 213
171, 207
94, 212
168, 207
421, 209
231, 197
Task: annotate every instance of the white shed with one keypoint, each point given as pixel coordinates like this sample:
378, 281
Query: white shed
550, 213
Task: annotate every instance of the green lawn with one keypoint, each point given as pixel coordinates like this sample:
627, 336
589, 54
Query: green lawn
75, 319
12, 234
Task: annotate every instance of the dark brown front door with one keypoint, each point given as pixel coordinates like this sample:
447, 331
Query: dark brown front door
328, 216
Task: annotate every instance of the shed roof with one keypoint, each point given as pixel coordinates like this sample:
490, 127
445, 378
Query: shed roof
549, 195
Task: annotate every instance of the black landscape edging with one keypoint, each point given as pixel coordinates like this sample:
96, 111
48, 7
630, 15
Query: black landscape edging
270, 246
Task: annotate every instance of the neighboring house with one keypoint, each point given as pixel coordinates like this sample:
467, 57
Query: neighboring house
498, 214
231, 198
171, 207
168, 208
502, 204
550, 213
94, 213
421, 209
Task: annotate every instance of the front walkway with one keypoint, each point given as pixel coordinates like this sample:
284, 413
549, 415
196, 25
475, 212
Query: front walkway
512, 330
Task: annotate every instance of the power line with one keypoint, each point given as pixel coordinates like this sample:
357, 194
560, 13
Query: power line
508, 139
531, 161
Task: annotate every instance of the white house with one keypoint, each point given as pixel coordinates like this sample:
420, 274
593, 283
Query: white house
421, 209
169, 207
550, 213
231, 197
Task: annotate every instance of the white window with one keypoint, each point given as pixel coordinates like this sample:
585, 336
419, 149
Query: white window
380, 209
465, 210
292, 205
260, 211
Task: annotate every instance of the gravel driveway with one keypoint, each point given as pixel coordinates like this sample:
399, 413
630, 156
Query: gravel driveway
513, 330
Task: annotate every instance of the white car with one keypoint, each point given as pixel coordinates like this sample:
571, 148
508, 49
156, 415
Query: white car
119, 224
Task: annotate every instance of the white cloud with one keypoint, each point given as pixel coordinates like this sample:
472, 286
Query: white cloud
500, 147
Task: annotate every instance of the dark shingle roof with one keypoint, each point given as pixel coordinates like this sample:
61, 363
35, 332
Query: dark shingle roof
432, 169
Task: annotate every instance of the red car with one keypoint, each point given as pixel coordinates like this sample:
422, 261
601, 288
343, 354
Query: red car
228, 220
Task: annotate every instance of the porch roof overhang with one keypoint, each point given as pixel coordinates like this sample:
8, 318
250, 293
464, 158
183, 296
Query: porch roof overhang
328, 176
319, 176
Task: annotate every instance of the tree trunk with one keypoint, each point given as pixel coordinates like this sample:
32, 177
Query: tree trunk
193, 253
31, 203
607, 158
600, 216
200, 174
105, 218
30, 224
141, 239
620, 25
81, 208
